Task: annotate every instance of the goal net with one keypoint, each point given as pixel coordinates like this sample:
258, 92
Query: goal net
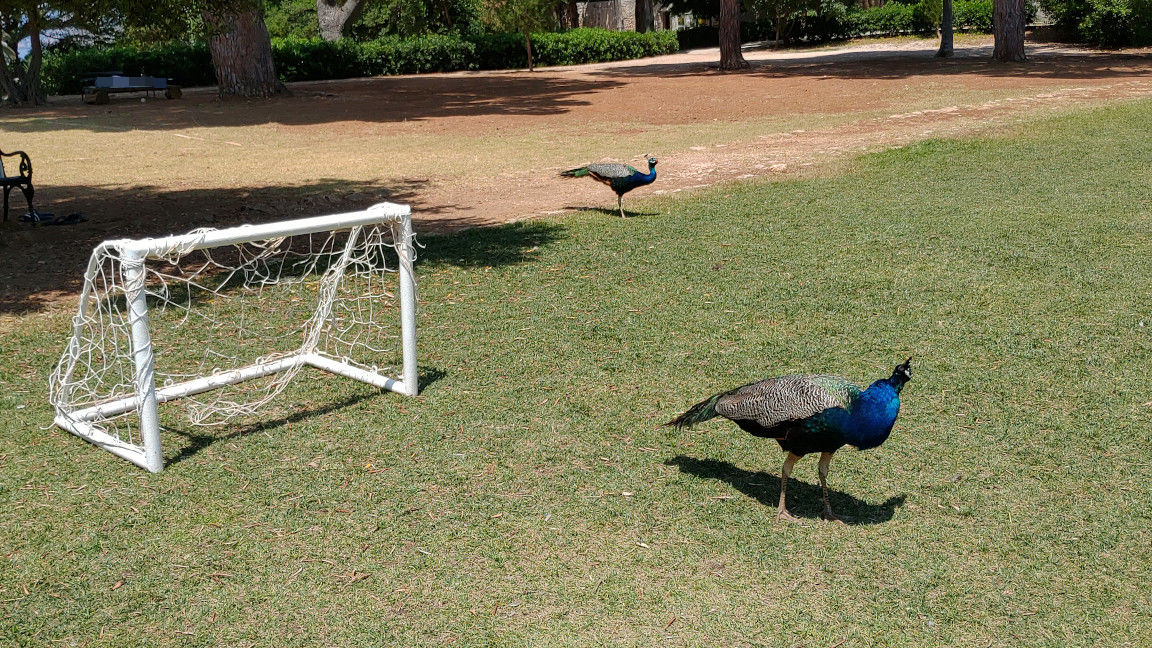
219, 321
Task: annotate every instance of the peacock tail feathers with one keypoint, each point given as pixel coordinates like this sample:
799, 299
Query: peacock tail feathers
698, 413
576, 173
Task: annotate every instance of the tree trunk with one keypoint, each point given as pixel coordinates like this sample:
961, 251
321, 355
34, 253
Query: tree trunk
21, 79
242, 53
35, 92
1008, 30
528, 47
946, 31
645, 18
573, 14
336, 17
13, 93
730, 56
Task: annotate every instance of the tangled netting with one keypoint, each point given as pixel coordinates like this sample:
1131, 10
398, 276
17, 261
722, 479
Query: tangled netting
218, 310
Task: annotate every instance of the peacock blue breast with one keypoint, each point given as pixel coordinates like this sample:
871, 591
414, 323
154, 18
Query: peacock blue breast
872, 416
630, 182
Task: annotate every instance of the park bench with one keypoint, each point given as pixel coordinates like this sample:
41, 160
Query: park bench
98, 90
23, 180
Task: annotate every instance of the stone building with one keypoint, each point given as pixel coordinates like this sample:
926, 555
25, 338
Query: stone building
620, 15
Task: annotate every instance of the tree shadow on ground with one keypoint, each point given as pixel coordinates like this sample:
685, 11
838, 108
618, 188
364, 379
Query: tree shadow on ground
197, 441
376, 99
40, 266
43, 266
804, 499
902, 65
507, 244
552, 91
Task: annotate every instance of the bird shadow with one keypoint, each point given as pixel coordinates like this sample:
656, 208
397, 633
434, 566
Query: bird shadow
610, 212
804, 499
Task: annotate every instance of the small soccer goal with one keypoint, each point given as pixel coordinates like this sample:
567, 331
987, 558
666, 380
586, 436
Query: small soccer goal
219, 321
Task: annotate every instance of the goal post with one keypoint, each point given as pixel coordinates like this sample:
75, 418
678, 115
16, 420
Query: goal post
177, 317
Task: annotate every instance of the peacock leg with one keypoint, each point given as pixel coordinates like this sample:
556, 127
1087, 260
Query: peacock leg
822, 469
786, 472
620, 204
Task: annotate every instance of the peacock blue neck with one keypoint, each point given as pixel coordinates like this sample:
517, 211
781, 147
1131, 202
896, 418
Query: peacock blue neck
873, 414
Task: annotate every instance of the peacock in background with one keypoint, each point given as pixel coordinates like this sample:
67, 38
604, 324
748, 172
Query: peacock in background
621, 177
808, 413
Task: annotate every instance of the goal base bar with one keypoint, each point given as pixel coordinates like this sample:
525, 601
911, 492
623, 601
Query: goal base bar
102, 439
79, 422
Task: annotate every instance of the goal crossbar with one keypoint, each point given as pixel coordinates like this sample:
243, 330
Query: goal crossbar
132, 253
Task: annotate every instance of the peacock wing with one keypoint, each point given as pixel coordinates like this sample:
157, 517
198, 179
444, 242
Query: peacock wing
780, 400
611, 171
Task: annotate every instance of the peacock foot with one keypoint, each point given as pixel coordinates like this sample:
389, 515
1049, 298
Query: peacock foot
784, 516
832, 517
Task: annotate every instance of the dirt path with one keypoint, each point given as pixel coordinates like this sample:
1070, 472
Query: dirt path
847, 85
469, 149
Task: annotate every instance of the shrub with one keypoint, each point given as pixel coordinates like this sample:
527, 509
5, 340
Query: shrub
188, 65
428, 53
929, 13
1107, 23
975, 15
709, 36
835, 21
305, 59
889, 19
495, 51
586, 45
597, 45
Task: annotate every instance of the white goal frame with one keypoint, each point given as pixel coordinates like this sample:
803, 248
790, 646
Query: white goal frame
134, 252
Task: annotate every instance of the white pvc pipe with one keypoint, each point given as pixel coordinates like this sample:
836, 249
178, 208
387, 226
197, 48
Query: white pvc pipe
106, 441
408, 306
143, 361
374, 215
189, 388
147, 397
356, 373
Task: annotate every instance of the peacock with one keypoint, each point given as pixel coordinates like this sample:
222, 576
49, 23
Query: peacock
621, 177
808, 413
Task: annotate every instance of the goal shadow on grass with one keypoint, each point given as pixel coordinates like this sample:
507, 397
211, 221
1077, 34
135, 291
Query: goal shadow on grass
194, 441
804, 499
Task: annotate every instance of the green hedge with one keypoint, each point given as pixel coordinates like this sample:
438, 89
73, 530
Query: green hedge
922, 17
837, 23
889, 19
188, 65
596, 45
1108, 23
301, 59
974, 15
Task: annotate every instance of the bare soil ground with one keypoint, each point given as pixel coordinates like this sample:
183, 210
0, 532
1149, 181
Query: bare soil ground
469, 149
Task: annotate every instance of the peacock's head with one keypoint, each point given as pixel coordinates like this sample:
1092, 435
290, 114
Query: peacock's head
903, 372
651, 162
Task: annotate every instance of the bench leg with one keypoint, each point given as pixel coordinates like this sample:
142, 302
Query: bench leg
7, 190
29, 192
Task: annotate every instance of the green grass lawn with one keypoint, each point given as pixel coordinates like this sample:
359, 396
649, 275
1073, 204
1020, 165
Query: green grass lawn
530, 497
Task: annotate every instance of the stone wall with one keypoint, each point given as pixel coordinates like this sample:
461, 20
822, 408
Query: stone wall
617, 15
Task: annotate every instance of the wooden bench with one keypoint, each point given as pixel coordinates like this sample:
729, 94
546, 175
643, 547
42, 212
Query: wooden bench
23, 181
101, 88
